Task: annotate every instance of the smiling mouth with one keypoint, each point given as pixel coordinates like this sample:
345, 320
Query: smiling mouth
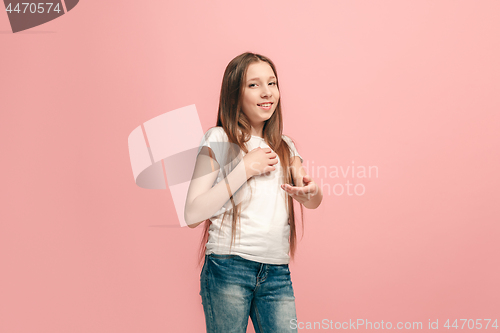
265, 105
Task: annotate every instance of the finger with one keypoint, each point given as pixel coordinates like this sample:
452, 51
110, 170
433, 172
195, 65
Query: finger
287, 188
284, 188
293, 189
304, 190
269, 168
271, 157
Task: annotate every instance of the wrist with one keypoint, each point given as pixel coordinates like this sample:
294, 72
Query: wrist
248, 168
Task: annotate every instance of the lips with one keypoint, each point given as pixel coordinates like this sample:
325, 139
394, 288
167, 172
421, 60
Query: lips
266, 104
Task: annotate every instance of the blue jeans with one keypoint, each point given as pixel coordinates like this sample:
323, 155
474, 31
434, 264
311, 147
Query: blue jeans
233, 288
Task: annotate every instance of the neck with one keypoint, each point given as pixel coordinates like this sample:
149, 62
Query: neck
257, 130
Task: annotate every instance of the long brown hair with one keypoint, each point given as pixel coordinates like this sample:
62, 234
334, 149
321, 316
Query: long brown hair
232, 119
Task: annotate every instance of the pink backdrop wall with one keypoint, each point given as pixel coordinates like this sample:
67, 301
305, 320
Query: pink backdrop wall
410, 87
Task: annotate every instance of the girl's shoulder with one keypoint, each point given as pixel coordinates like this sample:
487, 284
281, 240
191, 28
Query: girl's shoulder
288, 139
215, 129
292, 147
215, 133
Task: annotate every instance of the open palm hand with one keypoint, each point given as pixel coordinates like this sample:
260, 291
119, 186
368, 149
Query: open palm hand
302, 193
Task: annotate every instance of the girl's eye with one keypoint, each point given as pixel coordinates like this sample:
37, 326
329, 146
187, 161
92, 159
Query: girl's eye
253, 84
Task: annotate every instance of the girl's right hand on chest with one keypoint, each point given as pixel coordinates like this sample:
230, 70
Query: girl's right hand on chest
259, 161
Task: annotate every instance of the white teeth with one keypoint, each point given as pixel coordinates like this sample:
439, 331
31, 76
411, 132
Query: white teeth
266, 105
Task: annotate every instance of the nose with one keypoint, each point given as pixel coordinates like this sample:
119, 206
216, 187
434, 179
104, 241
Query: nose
266, 92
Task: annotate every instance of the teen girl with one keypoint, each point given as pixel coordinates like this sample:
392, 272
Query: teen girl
245, 179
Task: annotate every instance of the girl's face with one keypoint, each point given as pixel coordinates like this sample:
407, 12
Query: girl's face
260, 93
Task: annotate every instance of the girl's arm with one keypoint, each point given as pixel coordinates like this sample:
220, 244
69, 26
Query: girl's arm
305, 191
203, 200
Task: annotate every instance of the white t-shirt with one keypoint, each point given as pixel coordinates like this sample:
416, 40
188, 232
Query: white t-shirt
263, 215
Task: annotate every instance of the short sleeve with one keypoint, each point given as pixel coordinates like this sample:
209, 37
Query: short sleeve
217, 140
293, 149
214, 139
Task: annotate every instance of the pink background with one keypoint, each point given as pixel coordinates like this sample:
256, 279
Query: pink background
411, 87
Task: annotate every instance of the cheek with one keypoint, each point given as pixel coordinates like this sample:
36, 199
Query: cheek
250, 100
247, 103
276, 94
247, 106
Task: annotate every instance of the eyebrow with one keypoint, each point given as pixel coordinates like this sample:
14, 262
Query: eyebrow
256, 78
